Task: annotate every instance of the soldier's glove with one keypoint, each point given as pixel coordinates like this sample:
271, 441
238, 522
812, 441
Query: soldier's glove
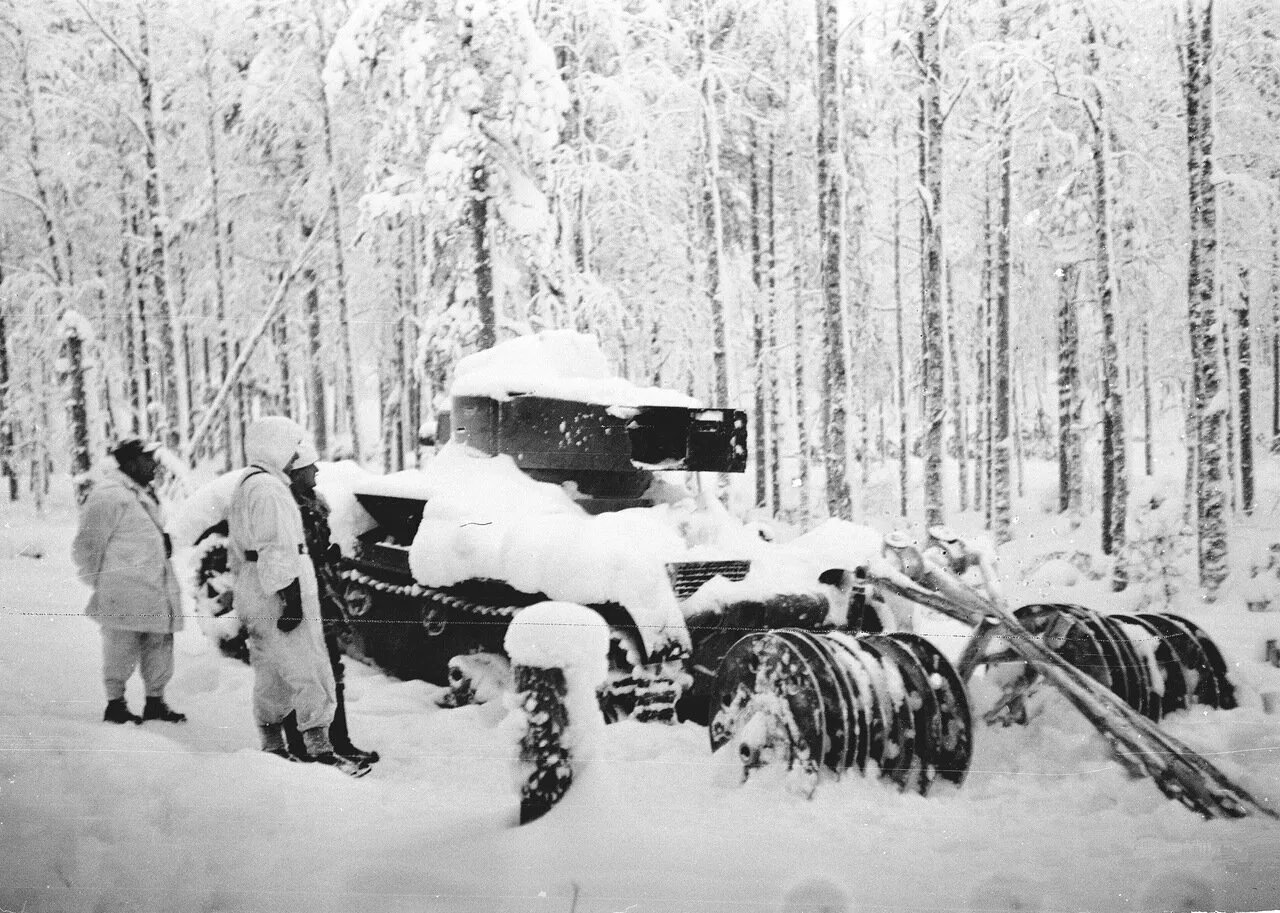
291, 617
226, 603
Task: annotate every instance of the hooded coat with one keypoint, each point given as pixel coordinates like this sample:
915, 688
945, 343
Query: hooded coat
119, 551
291, 670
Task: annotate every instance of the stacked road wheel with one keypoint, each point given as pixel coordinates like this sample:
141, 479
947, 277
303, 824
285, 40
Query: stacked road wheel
1158, 663
881, 704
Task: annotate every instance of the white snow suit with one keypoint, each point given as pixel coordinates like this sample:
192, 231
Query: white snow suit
119, 551
266, 551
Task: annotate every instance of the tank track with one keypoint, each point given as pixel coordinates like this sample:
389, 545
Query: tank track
636, 689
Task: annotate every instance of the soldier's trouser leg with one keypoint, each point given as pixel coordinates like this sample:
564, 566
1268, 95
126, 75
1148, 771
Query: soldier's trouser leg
271, 693
317, 741
291, 672
311, 677
272, 737
120, 653
157, 662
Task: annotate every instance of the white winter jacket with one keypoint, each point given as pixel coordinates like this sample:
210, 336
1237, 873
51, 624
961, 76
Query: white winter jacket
266, 552
264, 522
119, 551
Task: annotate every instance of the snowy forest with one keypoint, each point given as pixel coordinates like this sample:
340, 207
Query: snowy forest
973, 233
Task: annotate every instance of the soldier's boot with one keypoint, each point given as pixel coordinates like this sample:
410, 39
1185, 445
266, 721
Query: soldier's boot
273, 741
341, 738
157, 709
321, 751
118, 712
293, 738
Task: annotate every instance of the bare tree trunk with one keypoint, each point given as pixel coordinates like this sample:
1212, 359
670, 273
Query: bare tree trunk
6, 414
128, 272
1069, 397
1114, 463
317, 405
960, 429
38, 478
801, 345
176, 408
393, 396
830, 229
1017, 404
146, 349
989, 367
713, 219
350, 399
406, 427
220, 260
932, 320
73, 369
774, 368
1148, 446
1228, 409
1001, 508
1275, 321
901, 369
760, 440
36, 164
1244, 368
482, 263
1190, 433
1210, 501
982, 393
241, 410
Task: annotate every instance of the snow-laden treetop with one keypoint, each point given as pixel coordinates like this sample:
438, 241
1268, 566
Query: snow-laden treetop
559, 364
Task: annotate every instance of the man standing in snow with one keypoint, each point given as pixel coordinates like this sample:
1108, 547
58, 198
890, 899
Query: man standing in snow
122, 552
276, 597
324, 557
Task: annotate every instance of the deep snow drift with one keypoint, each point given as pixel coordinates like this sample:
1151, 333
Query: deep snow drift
98, 817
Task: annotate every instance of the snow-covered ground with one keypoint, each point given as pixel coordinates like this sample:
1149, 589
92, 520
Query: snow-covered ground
102, 818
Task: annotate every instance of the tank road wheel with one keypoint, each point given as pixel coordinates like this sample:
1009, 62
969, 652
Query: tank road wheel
954, 740
890, 742
1168, 685
798, 696
765, 697
925, 730
1157, 663
1204, 669
646, 692
213, 594
843, 720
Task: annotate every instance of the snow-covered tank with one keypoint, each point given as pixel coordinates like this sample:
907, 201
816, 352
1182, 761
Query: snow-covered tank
559, 481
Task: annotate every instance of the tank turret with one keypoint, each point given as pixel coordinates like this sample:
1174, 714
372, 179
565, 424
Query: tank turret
608, 452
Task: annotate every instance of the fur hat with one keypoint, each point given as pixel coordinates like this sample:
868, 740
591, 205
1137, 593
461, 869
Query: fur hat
131, 448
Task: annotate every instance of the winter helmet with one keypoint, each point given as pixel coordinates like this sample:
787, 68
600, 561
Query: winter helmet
277, 443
